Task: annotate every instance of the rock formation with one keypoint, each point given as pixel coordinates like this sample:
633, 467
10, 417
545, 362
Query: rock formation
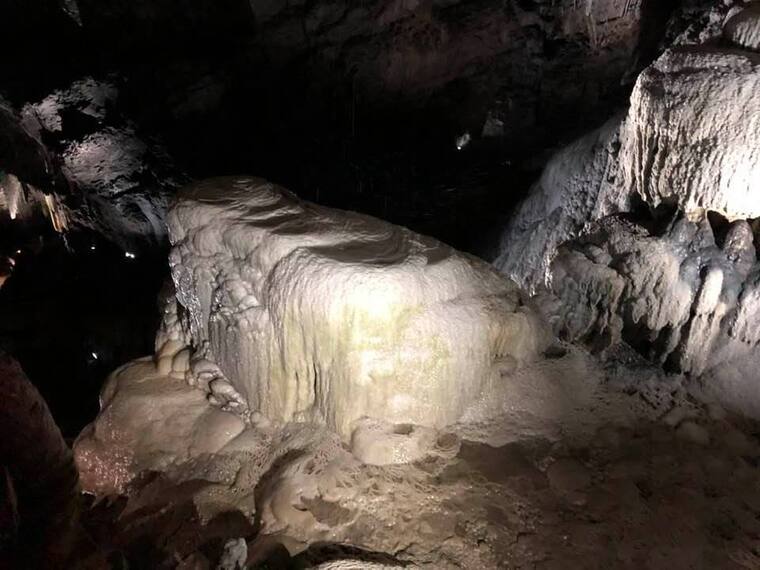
677, 296
323, 380
402, 491
326, 316
743, 27
349, 80
576, 187
643, 231
313, 362
110, 180
691, 136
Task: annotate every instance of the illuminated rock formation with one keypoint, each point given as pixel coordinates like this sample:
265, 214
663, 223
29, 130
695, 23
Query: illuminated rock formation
701, 154
680, 298
320, 315
123, 181
743, 27
691, 136
642, 232
148, 422
576, 187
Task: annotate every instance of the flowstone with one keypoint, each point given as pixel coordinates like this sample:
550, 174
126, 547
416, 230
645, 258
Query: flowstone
326, 316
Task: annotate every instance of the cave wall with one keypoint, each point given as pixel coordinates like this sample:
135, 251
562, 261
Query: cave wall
644, 232
109, 106
281, 69
355, 105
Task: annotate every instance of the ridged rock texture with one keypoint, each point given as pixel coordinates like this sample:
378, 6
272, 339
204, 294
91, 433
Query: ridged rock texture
576, 187
322, 315
642, 232
691, 137
743, 28
679, 297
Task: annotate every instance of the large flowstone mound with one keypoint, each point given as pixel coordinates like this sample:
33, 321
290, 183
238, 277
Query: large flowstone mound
320, 315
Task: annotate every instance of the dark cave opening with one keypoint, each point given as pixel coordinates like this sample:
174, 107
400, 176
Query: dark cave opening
74, 310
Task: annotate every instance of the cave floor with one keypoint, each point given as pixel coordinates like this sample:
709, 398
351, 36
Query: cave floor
642, 496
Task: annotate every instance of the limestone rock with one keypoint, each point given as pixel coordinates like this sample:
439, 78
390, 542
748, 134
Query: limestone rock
676, 296
92, 164
648, 239
690, 138
148, 421
576, 187
743, 28
327, 316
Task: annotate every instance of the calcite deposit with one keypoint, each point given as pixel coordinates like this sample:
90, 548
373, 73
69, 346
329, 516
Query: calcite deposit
320, 315
643, 232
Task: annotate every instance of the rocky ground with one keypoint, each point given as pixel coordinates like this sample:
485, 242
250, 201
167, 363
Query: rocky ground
569, 465
682, 492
